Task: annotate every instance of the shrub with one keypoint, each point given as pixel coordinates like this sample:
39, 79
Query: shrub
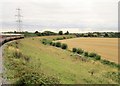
92, 54
17, 54
32, 78
113, 75
98, 57
64, 46
74, 50
105, 61
79, 51
58, 44
49, 42
53, 44
60, 38
64, 37
60, 33
86, 54
110, 63
44, 41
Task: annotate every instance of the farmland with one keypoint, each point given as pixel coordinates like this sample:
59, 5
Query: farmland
53, 61
106, 47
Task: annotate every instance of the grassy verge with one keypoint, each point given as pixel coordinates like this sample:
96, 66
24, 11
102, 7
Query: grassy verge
66, 68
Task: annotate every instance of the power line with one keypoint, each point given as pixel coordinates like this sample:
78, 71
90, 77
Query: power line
19, 20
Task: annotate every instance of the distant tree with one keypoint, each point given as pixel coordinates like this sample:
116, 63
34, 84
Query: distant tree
106, 35
36, 32
60, 33
67, 33
15, 32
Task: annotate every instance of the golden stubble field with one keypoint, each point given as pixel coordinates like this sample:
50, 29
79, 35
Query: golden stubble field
106, 47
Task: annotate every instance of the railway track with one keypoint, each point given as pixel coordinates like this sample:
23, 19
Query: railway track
3, 39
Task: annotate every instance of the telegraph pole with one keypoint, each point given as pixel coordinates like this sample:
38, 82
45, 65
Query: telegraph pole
19, 20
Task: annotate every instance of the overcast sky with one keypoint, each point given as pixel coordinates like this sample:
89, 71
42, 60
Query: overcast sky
55, 15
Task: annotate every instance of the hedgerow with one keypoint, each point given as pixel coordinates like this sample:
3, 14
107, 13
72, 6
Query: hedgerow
80, 51
64, 46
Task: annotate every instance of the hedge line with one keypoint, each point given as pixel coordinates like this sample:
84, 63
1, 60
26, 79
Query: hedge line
56, 44
80, 51
94, 56
61, 38
86, 54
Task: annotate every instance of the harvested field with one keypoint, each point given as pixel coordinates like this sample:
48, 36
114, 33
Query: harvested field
106, 47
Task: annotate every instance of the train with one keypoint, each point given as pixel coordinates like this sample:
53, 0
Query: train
9, 37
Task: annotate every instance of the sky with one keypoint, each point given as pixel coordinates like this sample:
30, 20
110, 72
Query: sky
72, 15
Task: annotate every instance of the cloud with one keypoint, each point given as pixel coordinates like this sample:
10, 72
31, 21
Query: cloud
95, 14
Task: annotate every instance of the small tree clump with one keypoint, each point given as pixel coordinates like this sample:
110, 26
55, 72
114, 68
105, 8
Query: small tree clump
64, 46
86, 54
79, 51
36, 78
74, 50
92, 54
60, 32
98, 57
44, 41
53, 44
58, 44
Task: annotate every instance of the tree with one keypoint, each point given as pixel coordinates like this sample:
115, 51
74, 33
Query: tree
74, 50
58, 44
36, 32
79, 51
64, 46
67, 33
60, 33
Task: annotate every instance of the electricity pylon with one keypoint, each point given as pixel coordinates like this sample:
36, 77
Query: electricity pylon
19, 20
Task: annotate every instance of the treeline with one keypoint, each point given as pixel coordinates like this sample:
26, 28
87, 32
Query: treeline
99, 34
37, 33
89, 34
56, 44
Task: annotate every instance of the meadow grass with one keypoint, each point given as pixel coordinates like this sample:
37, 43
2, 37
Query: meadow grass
57, 62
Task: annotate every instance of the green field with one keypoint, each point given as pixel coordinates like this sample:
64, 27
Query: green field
63, 64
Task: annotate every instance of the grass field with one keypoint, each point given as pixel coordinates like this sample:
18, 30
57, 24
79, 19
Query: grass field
106, 47
56, 62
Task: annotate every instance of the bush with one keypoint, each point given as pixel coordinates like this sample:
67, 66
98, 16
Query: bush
98, 57
64, 46
17, 54
86, 54
53, 44
59, 38
79, 51
33, 78
74, 50
60, 33
64, 37
92, 54
44, 41
58, 44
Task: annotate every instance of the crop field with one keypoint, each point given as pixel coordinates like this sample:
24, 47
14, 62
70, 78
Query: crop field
106, 47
